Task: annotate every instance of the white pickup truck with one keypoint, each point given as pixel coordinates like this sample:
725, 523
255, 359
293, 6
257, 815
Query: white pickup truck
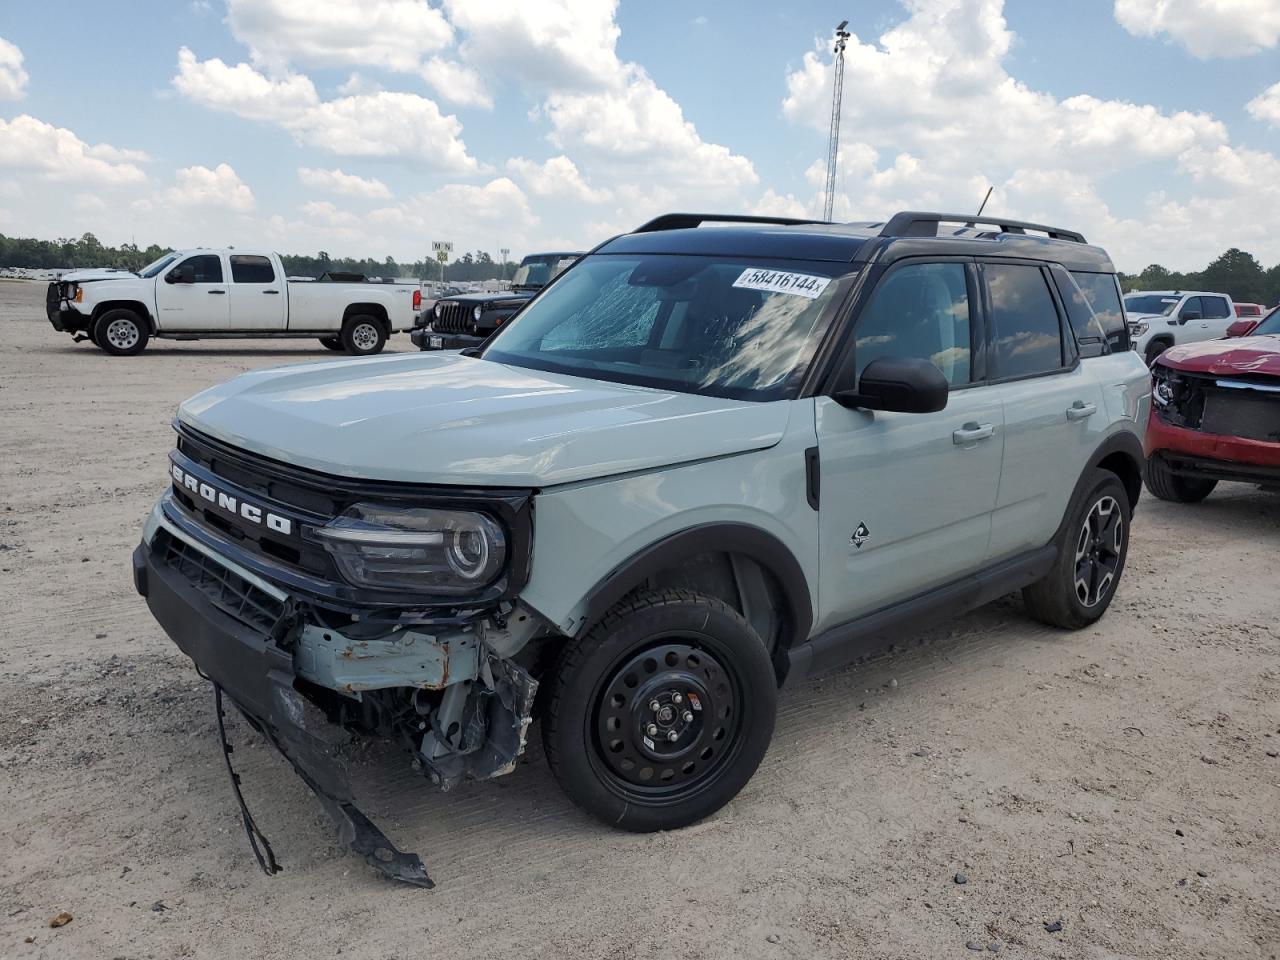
206, 294
1160, 319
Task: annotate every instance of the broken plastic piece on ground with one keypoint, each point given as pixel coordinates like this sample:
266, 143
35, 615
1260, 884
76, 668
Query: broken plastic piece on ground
327, 780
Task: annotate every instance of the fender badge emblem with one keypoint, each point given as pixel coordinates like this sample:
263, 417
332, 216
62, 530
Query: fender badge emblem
860, 536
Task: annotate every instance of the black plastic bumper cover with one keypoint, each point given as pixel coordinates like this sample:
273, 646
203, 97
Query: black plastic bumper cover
259, 678
449, 341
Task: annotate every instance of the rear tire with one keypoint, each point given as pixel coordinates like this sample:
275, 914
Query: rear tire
1167, 485
642, 769
363, 335
1155, 348
331, 343
121, 333
1091, 552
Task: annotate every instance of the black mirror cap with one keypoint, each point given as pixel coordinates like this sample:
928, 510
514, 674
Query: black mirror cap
182, 274
900, 385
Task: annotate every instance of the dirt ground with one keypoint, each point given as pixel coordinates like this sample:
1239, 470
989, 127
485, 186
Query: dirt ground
1123, 780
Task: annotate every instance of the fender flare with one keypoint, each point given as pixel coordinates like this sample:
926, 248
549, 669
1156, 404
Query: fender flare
738, 538
1124, 443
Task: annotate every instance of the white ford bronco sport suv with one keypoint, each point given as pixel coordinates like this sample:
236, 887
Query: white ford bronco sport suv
702, 464
226, 294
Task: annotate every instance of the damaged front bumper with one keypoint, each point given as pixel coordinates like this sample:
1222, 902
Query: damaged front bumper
447, 689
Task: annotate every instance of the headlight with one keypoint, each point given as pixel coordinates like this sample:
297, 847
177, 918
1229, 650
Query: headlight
438, 309
77, 293
1138, 328
448, 552
475, 314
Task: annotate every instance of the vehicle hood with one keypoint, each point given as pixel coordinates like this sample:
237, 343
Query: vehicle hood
1241, 356
472, 299
448, 419
1146, 317
97, 273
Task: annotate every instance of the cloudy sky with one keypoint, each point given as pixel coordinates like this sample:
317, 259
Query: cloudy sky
372, 127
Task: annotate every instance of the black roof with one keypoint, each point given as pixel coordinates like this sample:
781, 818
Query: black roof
907, 234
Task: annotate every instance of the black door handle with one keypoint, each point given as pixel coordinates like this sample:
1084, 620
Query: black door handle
218, 292
271, 291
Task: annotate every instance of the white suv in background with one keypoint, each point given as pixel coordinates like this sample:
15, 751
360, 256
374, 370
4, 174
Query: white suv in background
1158, 319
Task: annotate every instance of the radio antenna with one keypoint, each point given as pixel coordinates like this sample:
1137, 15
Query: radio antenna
984, 201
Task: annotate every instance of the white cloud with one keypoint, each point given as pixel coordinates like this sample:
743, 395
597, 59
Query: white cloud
545, 44
380, 124
387, 124
242, 90
934, 96
1266, 106
13, 79
473, 217
557, 177
219, 188
1206, 28
389, 34
639, 127
457, 83
58, 154
336, 181
327, 214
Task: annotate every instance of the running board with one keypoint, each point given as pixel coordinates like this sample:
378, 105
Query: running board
876, 632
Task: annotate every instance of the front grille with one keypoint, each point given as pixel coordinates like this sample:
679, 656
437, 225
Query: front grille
230, 592
1245, 407
454, 318
53, 300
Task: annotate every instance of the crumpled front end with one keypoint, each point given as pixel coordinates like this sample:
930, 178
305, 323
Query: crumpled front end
312, 661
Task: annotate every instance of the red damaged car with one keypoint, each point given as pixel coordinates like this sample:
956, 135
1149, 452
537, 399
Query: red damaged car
1215, 415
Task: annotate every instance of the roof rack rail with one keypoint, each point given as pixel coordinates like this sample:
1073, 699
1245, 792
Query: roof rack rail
915, 223
684, 221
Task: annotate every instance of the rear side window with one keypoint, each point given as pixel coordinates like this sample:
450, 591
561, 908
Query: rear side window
1103, 295
1215, 308
250, 269
207, 268
1026, 332
920, 310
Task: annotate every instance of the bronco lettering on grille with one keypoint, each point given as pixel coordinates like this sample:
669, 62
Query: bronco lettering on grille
233, 505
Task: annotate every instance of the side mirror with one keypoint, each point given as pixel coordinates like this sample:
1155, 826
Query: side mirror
898, 384
183, 274
1189, 315
1241, 328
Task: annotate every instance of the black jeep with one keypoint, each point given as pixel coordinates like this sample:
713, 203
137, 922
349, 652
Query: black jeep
467, 320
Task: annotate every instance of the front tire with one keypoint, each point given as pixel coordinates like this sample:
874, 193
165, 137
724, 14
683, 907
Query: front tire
363, 335
1155, 348
121, 333
1167, 485
1091, 553
660, 714
332, 343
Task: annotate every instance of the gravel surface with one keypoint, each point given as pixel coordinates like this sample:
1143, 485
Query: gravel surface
1112, 792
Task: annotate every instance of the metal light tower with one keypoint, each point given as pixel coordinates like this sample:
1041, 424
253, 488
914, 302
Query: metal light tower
833, 146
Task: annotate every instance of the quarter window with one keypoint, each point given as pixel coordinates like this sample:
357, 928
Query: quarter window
919, 310
207, 268
1026, 332
1104, 297
250, 269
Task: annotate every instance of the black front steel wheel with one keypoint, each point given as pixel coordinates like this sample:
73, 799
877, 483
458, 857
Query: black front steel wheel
666, 721
658, 715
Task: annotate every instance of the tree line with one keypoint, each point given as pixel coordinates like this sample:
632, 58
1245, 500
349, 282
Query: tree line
1236, 273
88, 251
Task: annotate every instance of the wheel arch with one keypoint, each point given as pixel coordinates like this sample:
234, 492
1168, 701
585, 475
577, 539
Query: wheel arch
742, 549
1120, 454
376, 310
135, 306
